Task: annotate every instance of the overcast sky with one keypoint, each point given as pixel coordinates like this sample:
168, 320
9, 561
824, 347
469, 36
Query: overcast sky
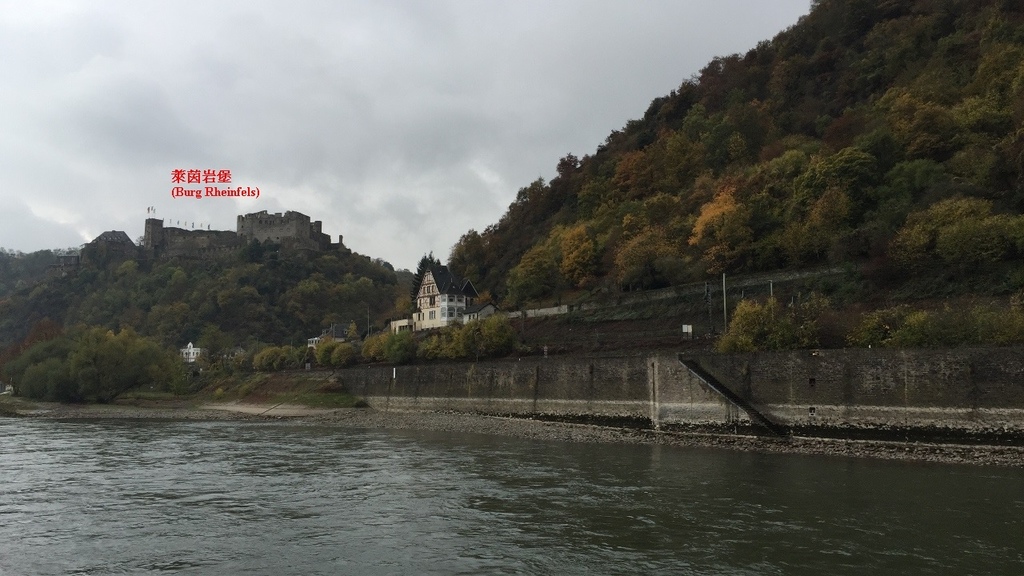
399, 124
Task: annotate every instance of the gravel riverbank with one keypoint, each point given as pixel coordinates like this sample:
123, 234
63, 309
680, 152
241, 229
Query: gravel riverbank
543, 430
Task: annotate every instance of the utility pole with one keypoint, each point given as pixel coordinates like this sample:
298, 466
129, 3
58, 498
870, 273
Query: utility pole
725, 308
707, 302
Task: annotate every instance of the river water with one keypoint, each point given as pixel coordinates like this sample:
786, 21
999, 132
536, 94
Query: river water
143, 497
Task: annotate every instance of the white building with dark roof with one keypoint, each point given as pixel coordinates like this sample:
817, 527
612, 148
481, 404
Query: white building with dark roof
479, 312
441, 299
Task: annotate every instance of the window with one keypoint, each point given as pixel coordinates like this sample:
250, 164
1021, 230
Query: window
431, 314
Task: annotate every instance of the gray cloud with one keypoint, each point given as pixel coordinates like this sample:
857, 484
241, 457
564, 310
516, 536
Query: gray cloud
400, 124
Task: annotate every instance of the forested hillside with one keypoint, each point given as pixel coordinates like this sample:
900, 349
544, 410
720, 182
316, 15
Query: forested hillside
259, 294
19, 270
882, 133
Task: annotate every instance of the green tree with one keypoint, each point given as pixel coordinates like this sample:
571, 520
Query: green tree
876, 328
851, 171
648, 260
105, 364
214, 342
925, 129
50, 380
535, 277
958, 232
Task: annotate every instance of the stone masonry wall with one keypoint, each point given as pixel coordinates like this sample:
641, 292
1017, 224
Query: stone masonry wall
945, 388
197, 243
655, 389
274, 227
963, 389
607, 388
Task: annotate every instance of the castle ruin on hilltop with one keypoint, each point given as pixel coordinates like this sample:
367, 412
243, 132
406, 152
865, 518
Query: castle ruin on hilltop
292, 230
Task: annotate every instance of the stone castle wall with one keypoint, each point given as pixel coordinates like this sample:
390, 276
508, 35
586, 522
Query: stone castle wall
169, 242
292, 230
290, 227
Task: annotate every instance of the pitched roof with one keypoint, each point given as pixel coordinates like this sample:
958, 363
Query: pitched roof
478, 307
448, 283
116, 236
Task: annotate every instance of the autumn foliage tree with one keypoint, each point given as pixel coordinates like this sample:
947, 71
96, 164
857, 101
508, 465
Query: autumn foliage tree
578, 263
722, 231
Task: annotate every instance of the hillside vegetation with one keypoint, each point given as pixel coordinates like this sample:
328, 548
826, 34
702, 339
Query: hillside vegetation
884, 134
258, 294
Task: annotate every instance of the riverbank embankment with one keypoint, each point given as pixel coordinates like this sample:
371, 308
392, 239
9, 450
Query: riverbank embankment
962, 405
540, 430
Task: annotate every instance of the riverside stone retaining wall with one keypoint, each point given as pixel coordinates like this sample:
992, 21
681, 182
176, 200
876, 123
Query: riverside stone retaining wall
981, 388
963, 389
566, 386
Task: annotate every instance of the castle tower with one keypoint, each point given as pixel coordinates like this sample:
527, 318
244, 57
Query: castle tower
154, 233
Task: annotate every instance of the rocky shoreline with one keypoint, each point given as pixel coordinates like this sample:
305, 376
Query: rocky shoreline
545, 430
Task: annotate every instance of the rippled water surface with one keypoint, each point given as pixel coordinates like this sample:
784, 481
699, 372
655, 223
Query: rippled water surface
137, 497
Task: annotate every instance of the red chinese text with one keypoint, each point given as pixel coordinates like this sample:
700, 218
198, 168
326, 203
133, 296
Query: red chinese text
197, 176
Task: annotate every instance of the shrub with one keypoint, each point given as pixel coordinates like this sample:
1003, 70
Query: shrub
268, 359
343, 354
491, 337
324, 351
877, 328
400, 348
498, 336
757, 326
1000, 327
901, 327
434, 347
374, 347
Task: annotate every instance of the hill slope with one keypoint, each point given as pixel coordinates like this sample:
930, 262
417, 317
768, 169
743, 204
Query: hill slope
880, 133
259, 293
